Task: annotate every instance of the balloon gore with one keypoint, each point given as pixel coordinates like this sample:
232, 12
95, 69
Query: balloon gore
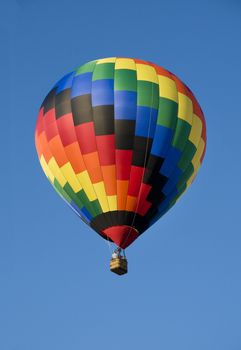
120, 140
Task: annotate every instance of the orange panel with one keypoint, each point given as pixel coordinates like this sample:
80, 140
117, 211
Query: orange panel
44, 147
122, 189
75, 157
109, 176
131, 203
57, 149
38, 145
93, 166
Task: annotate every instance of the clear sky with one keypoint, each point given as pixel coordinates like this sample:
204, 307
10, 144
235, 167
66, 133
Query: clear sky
183, 289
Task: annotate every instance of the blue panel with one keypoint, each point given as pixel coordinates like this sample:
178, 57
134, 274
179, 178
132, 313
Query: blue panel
102, 92
83, 213
86, 214
82, 84
65, 82
165, 204
125, 105
172, 181
162, 140
160, 213
144, 117
170, 162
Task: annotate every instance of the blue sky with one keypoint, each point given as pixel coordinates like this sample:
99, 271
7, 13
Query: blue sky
183, 289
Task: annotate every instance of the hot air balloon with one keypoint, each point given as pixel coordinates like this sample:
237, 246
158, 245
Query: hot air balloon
120, 140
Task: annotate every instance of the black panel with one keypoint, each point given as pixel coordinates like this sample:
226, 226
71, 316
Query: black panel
49, 101
101, 221
153, 166
62, 103
124, 134
82, 109
141, 150
156, 196
103, 117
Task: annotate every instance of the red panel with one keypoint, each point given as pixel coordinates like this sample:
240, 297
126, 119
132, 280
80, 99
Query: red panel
49, 117
161, 71
123, 164
123, 236
135, 180
143, 208
86, 137
106, 149
204, 151
141, 61
51, 130
40, 125
144, 191
66, 129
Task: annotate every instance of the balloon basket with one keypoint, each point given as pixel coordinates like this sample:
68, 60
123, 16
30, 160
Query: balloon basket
119, 265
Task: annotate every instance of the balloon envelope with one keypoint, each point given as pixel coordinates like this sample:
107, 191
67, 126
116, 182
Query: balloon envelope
120, 139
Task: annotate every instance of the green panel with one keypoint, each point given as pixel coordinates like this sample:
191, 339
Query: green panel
80, 199
182, 132
187, 174
71, 193
87, 67
180, 191
167, 113
104, 71
125, 79
87, 204
187, 155
96, 207
61, 191
147, 94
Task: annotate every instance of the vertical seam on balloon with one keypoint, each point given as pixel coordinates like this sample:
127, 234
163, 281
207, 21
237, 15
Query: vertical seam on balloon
132, 141
133, 137
114, 138
145, 159
154, 129
97, 146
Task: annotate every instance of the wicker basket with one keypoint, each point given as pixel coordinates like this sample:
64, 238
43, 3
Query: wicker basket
119, 266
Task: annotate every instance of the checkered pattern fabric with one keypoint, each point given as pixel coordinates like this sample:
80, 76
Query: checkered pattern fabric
120, 139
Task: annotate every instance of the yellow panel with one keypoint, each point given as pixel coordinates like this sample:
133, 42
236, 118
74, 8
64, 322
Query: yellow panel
70, 176
185, 109
145, 72
56, 172
112, 200
192, 178
100, 191
125, 63
167, 88
198, 155
46, 169
196, 130
87, 185
106, 60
